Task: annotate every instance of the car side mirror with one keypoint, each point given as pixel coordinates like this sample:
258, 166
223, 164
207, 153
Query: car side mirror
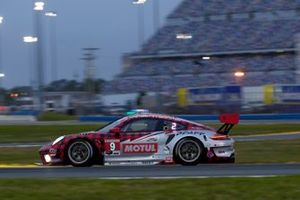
167, 129
115, 131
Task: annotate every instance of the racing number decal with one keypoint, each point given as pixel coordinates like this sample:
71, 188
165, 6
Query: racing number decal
173, 126
112, 146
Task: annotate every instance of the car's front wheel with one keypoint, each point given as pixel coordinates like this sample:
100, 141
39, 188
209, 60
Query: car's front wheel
80, 153
189, 151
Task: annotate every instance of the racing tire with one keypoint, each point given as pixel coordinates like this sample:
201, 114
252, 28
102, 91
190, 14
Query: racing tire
189, 151
231, 160
80, 153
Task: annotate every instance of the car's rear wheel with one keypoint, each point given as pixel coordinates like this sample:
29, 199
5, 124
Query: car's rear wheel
189, 151
231, 159
80, 153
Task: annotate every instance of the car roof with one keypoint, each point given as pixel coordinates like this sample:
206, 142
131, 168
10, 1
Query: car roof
152, 115
165, 117
162, 116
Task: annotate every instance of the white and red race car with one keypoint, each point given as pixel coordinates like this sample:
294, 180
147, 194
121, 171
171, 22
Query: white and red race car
145, 139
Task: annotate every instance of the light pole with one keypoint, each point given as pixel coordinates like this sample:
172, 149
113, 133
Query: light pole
1, 68
51, 14
141, 24
38, 10
139, 1
156, 15
90, 73
2, 75
90, 68
53, 55
31, 40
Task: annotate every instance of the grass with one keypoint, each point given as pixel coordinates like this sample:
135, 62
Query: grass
19, 156
268, 151
39, 133
53, 116
44, 133
246, 152
213, 188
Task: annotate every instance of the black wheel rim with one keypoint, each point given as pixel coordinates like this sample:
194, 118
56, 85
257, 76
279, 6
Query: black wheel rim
79, 152
189, 151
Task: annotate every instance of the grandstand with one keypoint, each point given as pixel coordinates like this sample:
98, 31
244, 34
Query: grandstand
256, 37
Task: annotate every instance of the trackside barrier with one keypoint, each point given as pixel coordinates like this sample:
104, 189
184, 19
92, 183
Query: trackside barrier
91, 118
24, 113
257, 117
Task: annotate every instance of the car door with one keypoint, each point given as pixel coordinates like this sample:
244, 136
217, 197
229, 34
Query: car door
137, 140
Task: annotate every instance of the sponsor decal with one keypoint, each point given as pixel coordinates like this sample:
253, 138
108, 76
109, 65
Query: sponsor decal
152, 140
52, 152
86, 133
140, 148
148, 163
112, 146
189, 133
169, 159
210, 154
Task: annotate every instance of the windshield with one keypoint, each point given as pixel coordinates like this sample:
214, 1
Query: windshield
109, 126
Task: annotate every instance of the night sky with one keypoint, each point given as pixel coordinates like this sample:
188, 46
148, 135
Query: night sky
107, 24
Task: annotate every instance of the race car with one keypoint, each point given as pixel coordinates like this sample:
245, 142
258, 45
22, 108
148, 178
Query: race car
145, 139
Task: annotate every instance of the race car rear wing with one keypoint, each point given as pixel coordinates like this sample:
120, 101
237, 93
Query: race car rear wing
228, 120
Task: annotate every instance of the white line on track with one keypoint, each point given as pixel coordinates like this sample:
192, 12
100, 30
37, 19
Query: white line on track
185, 177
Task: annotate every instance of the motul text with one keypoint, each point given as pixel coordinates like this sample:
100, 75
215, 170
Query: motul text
140, 148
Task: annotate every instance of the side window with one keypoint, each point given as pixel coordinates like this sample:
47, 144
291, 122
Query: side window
171, 125
141, 125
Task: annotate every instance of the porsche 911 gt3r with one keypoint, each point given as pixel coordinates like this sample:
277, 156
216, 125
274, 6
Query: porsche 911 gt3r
145, 139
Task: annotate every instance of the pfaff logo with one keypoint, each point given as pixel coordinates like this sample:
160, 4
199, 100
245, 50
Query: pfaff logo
140, 148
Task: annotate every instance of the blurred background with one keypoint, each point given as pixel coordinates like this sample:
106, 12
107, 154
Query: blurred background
71, 66
172, 56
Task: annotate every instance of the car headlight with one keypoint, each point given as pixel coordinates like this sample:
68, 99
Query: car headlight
58, 140
47, 158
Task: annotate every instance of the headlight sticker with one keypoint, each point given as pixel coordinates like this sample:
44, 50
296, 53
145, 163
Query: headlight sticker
58, 140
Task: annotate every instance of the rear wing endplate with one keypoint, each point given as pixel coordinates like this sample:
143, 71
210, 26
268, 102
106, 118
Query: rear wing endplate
228, 120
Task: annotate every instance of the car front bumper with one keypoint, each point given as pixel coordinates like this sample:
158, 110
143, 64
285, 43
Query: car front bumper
50, 155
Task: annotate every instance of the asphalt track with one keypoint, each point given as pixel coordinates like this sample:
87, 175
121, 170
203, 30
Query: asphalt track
176, 171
